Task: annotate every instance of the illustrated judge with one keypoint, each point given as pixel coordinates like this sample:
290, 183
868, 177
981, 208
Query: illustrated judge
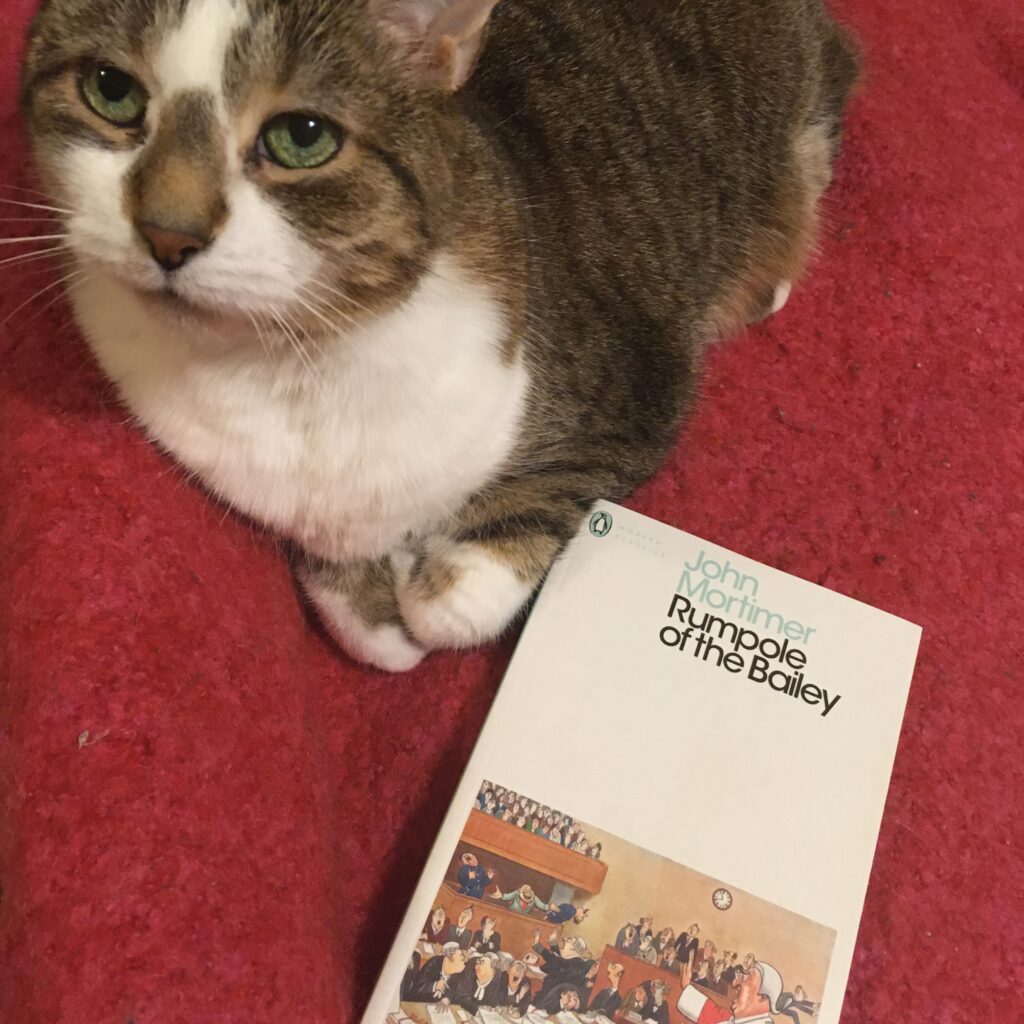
754, 1001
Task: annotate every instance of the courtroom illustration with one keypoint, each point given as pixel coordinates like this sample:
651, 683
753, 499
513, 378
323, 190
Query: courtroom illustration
541, 916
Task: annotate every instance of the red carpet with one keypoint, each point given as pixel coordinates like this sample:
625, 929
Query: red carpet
210, 816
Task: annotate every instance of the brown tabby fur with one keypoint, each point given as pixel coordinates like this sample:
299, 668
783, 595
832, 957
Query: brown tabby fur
669, 157
631, 178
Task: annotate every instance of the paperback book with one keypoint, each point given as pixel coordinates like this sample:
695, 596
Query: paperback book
671, 812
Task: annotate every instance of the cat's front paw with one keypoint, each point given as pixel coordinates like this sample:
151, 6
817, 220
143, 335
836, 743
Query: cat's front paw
781, 296
457, 595
381, 644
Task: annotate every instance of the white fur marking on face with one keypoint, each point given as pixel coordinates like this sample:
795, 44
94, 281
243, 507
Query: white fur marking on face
406, 416
384, 647
98, 229
192, 57
782, 291
482, 601
259, 260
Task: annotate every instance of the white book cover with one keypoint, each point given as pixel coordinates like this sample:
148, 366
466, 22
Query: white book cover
672, 810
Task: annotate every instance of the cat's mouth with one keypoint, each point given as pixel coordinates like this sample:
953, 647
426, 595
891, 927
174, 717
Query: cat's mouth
169, 300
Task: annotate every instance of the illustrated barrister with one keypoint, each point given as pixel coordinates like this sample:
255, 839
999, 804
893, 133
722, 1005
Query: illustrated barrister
755, 1001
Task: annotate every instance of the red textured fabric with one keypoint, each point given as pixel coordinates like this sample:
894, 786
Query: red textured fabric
209, 815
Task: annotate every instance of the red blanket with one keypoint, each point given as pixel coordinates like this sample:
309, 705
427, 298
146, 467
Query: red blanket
210, 815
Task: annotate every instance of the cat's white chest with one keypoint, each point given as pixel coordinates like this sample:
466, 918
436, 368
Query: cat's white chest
389, 433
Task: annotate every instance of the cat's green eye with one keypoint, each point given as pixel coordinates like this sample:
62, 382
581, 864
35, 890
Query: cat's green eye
113, 94
300, 141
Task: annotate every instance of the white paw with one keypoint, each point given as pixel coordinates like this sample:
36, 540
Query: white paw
483, 600
782, 290
385, 647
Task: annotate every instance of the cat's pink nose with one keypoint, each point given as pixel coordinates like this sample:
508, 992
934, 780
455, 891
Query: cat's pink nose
171, 249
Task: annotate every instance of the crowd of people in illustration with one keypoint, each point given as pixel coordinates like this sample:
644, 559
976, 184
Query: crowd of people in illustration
712, 968
705, 965
462, 961
479, 882
472, 970
536, 818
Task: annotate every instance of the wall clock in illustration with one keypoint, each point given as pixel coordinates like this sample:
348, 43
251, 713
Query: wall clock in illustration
722, 899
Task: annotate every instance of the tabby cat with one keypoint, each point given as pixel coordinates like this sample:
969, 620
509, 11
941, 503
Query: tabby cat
413, 282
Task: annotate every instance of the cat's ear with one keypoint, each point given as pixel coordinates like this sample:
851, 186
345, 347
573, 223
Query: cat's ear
441, 39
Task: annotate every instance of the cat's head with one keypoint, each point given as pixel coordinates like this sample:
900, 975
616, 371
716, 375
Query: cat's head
246, 156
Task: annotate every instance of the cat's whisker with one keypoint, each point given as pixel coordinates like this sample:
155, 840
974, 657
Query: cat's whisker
27, 219
323, 302
35, 206
259, 333
257, 317
343, 296
32, 257
42, 291
297, 325
317, 351
71, 282
330, 324
273, 333
32, 238
297, 347
22, 188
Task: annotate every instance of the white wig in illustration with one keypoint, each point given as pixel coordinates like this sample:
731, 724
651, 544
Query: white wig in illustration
771, 984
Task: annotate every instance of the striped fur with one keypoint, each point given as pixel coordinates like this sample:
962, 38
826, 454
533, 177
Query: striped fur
425, 359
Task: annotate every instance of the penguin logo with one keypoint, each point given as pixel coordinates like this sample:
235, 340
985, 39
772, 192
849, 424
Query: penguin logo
601, 524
